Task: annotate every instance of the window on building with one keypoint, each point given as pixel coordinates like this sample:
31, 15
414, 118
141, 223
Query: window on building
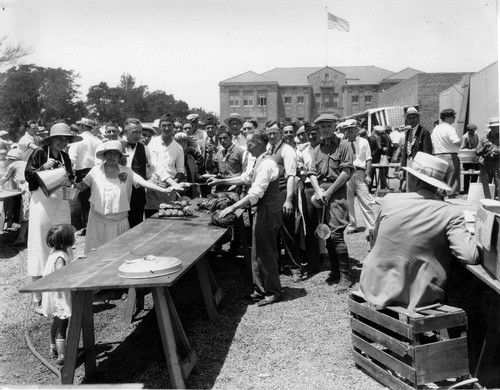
300, 99
300, 111
288, 100
355, 99
368, 99
317, 98
327, 77
234, 100
262, 101
248, 100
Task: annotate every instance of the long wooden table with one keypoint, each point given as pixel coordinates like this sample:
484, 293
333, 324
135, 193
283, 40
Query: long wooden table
187, 238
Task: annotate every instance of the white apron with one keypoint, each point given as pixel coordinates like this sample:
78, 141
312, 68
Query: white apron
45, 212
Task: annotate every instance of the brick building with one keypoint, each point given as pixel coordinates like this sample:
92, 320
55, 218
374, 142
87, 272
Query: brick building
420, 90
291, 94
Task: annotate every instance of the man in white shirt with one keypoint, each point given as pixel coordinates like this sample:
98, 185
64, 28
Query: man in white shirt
357, 186
167, 158
82, 155
29, 141
263, 193
446, 145
235, 123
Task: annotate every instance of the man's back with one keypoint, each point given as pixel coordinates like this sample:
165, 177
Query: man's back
417, 236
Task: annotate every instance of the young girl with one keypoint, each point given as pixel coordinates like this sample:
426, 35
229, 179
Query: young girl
57, 304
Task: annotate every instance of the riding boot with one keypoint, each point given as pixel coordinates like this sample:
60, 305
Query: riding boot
61, 350
334, 276
345, 274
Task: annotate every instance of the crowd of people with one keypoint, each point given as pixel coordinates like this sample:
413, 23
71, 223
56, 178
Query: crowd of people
292, 177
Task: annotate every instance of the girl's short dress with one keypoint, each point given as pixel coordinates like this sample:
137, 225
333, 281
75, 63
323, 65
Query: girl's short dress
56, 303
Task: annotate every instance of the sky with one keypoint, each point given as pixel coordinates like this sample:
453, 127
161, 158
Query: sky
186, 47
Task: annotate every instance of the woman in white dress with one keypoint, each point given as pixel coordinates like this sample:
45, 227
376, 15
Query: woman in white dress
111, 189
46, 212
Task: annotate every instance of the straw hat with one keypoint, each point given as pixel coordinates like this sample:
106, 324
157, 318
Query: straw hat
430, 169
149, 128
493, 122
110, 146
86, 122
60, 130
379, 129
234, 116
412, 110
326, 118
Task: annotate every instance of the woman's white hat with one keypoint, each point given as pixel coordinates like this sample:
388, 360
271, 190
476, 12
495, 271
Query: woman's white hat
109, 146
430, 169
60, 130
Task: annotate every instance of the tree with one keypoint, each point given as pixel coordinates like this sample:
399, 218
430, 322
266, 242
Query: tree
29, 90
9, 54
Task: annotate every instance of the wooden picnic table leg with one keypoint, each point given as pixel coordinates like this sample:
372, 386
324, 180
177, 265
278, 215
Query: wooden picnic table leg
73, 338
88, 336
167, 337
240, 225
202, 270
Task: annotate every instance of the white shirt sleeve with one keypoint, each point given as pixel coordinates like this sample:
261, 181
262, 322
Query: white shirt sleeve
265, 172
289, 160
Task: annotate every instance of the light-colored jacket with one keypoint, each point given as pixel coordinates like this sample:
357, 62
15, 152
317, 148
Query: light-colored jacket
417, 235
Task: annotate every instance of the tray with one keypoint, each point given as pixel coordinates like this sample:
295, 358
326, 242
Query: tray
149, 267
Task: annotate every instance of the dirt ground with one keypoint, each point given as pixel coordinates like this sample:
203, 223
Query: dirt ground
301, 342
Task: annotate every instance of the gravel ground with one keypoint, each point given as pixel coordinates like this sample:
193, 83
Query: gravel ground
303, 341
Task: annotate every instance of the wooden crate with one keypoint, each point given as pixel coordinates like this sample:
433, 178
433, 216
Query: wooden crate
406, 351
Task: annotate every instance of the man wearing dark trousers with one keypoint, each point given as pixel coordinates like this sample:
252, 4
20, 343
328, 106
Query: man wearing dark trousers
138, 160
264, 194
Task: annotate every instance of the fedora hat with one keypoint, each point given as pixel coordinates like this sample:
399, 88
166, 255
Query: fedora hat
234, 116
86, 122
149, 128
108, 146
351, 123
493, 122
412, 110
60, 130
430, 169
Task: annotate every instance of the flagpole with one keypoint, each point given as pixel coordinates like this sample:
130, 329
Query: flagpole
326, 40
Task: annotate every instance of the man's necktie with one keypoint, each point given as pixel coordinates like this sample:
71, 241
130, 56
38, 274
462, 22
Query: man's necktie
131, 146
410, 142
273, 148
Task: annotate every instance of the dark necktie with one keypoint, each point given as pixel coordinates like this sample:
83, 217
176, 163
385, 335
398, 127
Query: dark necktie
273, 148
131, 146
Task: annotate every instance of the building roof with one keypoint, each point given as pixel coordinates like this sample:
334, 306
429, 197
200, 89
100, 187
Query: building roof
404, 74
249, 77
353, 74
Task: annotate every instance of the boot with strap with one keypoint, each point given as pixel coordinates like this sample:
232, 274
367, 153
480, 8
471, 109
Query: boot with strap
345, 274
61, 351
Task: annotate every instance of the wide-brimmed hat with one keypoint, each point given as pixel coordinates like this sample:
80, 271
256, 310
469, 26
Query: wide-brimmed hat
234, 116
109, 146
86, 122
430, 169
493, 122
60, 130
412, 110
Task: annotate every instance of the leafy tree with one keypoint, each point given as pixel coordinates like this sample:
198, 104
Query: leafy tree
43, 94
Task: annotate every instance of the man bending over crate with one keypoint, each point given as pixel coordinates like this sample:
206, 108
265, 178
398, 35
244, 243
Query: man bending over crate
416, 235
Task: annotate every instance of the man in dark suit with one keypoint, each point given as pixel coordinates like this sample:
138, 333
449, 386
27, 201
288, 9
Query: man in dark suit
417, 236
138, 159
417, 139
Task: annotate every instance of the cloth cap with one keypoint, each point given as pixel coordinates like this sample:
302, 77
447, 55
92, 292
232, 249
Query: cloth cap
108, 146
300, 130
60, 130
14, 154
471, 126
224, 129
3, 132
166, 118
412, 110
430, 169
192, 118
210, 121
326, 118
234, 116
310, 126
86, 122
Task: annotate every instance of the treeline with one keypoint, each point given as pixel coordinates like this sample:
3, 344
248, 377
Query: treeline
30, 92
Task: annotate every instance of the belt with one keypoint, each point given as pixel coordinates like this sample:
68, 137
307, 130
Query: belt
437, 154
360, 169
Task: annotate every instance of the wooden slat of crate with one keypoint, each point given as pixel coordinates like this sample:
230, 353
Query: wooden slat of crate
379, 373
385, 359
439, 321
382, 319
441, 360
398, 347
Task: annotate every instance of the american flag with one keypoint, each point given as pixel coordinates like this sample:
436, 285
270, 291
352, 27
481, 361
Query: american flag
337, 23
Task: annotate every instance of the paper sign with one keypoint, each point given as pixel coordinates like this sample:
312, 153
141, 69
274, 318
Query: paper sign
484, 228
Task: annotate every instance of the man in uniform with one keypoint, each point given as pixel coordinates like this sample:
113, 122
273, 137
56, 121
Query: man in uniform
264, 194
331, 168
489, 158
417, 236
